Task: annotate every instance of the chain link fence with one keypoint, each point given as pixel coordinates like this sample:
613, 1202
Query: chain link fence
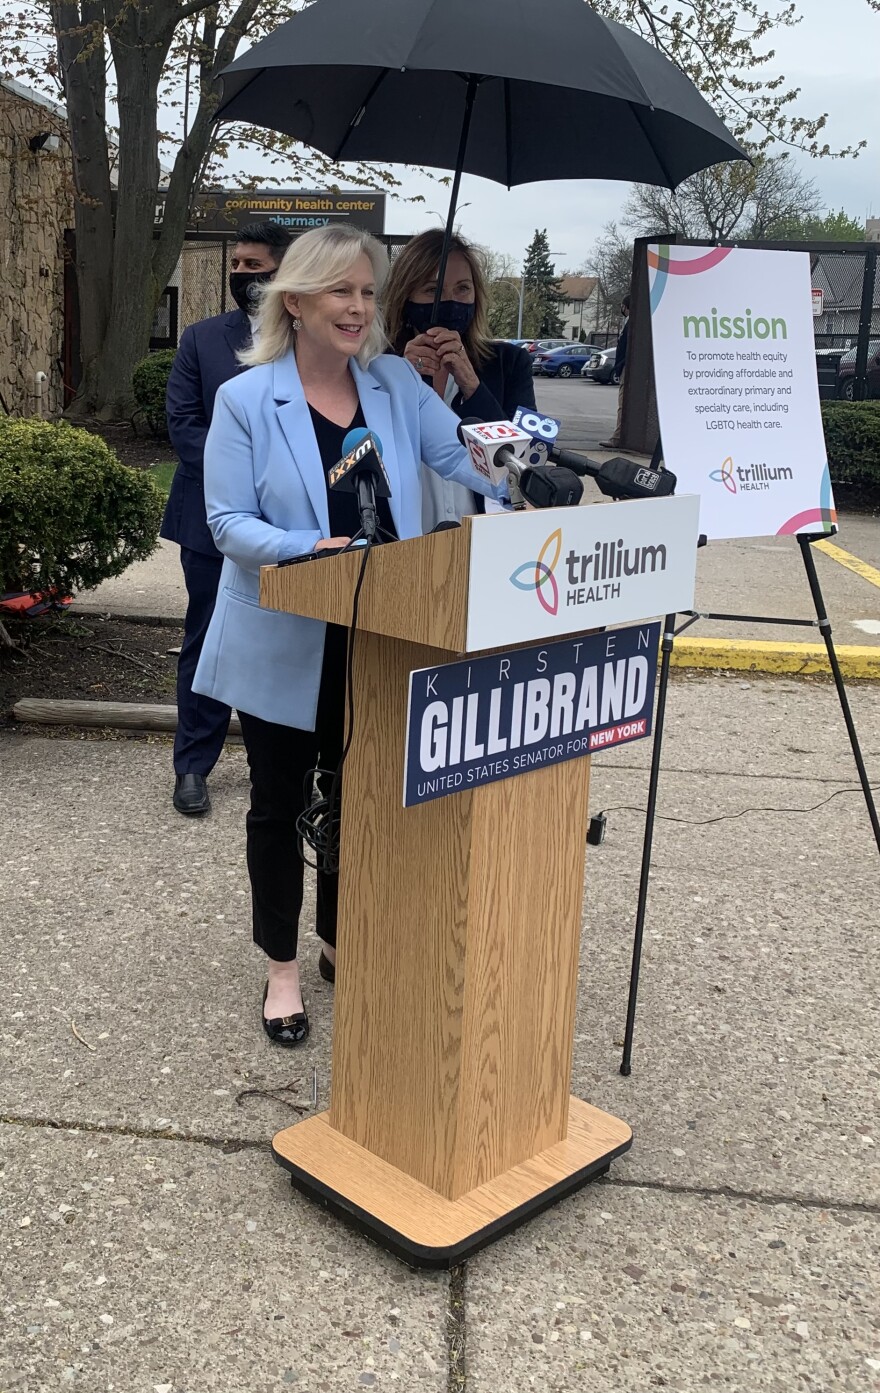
846, 322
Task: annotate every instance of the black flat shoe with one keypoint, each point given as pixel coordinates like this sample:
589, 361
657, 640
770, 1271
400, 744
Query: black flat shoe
326, 968
191, 795
285, 1030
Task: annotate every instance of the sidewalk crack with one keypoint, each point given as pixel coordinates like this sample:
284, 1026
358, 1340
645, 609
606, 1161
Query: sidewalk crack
729, 1192
456, 1331
114, 1129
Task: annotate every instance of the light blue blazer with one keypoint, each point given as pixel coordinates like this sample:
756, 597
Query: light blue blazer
266, 497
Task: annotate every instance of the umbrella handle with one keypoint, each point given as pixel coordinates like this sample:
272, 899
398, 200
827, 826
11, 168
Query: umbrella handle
473, 83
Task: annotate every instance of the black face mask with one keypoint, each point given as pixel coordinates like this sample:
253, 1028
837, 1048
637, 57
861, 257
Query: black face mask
451, 314
244, 287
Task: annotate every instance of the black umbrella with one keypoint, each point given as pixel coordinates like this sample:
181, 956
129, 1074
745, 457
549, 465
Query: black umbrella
513, 90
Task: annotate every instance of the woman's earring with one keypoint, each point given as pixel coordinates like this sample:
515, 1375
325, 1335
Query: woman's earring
296, 323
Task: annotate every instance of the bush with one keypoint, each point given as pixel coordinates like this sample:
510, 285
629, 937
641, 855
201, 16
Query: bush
71, 515
852, 435
149, 383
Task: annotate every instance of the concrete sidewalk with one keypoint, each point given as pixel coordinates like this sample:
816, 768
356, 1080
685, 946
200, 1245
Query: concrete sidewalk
150, 1244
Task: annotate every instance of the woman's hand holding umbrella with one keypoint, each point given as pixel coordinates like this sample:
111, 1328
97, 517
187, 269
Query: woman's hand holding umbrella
442, 350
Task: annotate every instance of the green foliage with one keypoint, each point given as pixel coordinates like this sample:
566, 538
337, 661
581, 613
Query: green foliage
503, 308
833, 227
543, 291
852, 435
149, 382
71, 515
162, 475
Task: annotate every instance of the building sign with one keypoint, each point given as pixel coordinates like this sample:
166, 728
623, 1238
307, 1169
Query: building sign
475, 722
298, 210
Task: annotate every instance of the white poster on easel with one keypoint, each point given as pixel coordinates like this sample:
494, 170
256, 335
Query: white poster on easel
737, 392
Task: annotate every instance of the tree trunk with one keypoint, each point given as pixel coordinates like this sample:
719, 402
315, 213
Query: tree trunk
138, 65
120, 258
81, 58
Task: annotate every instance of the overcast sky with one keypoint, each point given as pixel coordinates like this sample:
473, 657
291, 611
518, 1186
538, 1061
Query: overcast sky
832, 55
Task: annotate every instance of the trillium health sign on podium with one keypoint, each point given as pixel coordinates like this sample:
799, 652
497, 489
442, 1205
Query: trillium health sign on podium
541, 574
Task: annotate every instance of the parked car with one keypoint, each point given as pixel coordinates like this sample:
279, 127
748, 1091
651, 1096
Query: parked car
846, 372
534, 346
600, 368
562, 362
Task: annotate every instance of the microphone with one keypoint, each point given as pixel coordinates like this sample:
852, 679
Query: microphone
549, 486
361, 472
616, 478
496, 449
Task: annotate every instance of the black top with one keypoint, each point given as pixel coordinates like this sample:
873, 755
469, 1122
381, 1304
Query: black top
506, 382
342, 507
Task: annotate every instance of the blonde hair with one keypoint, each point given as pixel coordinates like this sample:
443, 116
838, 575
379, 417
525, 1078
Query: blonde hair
417, 263
312, 264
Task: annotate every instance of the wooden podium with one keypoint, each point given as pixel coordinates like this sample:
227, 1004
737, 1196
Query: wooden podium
450, 1120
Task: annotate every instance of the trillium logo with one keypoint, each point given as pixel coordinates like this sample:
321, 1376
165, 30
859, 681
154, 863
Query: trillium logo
725, 475
540, 575
754, 478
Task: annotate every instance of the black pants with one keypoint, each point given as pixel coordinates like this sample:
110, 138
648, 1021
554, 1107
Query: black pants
279, 758
202, 722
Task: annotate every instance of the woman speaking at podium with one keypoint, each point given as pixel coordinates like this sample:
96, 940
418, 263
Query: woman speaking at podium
316, 371
473, 374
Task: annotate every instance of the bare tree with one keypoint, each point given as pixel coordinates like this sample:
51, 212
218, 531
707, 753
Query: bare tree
611, 263
726, 199
503, 280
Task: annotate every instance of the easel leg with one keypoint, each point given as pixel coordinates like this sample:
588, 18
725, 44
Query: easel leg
667, 642
825, 629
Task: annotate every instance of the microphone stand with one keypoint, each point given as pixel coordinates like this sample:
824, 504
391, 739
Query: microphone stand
370, 531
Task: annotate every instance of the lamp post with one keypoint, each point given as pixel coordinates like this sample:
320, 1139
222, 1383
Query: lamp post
522, 294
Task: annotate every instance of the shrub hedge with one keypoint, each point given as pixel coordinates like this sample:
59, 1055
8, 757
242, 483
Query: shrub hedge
852, 435
149, 382
71, 515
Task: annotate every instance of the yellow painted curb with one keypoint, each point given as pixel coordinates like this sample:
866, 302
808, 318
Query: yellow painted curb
754, 655
852, 563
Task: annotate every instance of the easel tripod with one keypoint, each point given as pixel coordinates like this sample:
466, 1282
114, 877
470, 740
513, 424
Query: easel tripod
670, 633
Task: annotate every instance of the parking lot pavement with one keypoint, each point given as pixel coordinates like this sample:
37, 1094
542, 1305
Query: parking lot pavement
588, 411
151, 1245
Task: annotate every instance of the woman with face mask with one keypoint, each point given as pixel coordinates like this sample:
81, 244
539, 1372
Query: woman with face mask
474, 374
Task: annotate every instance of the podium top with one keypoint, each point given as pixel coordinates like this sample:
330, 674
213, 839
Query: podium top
415, 590
510, 578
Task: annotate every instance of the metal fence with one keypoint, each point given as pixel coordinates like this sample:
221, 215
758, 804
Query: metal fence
846, 326
846, 321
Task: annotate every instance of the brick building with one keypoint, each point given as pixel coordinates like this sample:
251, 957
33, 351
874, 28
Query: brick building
36, 198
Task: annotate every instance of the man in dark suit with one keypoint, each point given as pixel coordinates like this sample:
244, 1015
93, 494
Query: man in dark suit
205, 359
619, 368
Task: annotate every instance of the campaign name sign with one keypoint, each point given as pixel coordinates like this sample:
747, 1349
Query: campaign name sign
474, 722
